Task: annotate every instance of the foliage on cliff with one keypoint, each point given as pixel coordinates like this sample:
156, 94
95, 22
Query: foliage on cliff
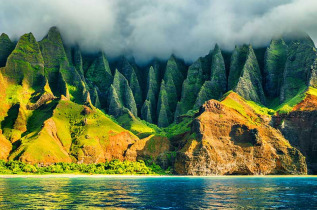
58, 104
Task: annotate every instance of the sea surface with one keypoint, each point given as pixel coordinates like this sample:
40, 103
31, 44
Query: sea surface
158, 193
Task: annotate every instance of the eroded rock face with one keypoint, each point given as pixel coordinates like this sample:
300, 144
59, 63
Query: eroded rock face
223, 141
152, 146
300, 59
5, 147
300, 128
42, 100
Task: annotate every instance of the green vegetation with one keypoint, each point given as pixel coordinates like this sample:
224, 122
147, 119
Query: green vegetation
249, 84
52, 49
164, 117
243, 106
177, 128
77, 60
218, 76
230, 102
138, 127
206, 79
109, 167
301, 57
274, 64
58, 68
238, 59
121, 96
176, 70
6, 47
206, 93
197, 74
61, 130
148, 110
99, 75
260, 109
287, 106
273, 107
171, 92
77, 127
129, 72
25, 63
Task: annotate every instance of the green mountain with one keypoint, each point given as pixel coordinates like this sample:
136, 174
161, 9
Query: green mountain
6, 47
239, 112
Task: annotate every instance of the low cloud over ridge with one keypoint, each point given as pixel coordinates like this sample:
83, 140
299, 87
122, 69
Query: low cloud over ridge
149, 28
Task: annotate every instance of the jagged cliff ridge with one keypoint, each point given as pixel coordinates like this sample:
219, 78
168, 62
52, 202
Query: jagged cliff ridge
61, 105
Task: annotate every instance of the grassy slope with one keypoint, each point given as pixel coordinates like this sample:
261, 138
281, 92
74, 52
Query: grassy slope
252, 111
288, 106
139, 127
66, 129
273, 108
73, 135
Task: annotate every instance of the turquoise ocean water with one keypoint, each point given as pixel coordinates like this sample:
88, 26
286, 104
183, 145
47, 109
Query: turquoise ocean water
158, 193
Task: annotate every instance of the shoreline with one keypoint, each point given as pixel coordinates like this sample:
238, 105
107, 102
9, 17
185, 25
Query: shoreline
9, 176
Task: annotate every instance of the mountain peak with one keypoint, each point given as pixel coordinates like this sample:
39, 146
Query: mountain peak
4, 36
53, 34
6, 47
216, 49
53, 29
172, 58
29, 36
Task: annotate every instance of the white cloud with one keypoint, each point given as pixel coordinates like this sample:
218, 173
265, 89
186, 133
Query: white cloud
157, 28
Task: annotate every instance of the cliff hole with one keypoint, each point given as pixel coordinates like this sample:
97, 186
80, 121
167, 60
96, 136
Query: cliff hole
242, 136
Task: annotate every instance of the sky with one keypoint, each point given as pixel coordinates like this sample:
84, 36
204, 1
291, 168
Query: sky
157, 28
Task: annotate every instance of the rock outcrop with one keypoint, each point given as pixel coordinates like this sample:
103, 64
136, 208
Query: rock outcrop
223, 141
6, 147
151, 147
300, 128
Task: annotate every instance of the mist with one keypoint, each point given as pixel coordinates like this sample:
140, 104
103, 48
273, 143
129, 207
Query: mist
148, 28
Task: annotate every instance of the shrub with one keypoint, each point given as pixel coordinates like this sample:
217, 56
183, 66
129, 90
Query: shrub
112, 167
29, 169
